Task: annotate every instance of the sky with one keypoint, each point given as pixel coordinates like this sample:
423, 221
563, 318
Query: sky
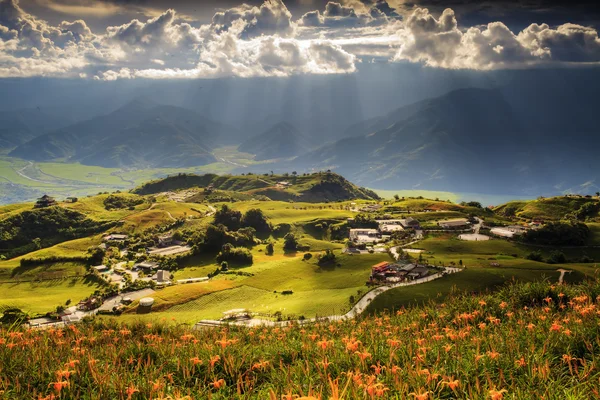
109, 40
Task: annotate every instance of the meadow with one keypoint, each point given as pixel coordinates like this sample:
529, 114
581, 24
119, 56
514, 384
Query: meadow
526, 341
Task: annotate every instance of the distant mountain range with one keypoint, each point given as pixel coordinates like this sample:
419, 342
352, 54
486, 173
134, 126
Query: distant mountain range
282, 140
141, 134
530, 135
20, 126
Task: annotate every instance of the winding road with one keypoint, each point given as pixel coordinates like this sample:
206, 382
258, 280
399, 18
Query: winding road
355, 311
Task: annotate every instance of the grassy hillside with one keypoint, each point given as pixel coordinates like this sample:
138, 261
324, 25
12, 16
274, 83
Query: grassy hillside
550, 209
526, 341
316, 187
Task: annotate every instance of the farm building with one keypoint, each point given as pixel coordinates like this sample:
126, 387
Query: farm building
115, 237
364, 235
454, 223
71, 200
146, 266
100, 268
45, 201
390, 225
393, 273
508, 231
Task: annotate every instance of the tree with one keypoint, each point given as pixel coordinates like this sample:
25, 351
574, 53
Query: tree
255, 218
396, 197
326, 258
269, 250
557, 257
290, 243
535, 256
224, 266
228, 217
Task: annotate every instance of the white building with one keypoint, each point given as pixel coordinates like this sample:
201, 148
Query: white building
508, 231
363, 235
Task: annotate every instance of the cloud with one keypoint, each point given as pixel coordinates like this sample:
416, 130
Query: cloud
252, 41
440, 43
338, 15
271, 18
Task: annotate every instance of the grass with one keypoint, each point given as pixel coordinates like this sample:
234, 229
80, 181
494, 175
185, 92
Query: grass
42, 297
526, 341
283, 212
474, 280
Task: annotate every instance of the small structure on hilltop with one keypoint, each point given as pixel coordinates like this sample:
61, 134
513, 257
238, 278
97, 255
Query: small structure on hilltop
45, 201
71, 200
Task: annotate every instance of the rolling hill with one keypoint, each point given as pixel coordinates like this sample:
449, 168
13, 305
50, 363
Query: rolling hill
317, 187
141, 134
282, 140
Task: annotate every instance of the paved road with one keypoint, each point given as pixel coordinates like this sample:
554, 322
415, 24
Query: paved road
116, 300
358, 308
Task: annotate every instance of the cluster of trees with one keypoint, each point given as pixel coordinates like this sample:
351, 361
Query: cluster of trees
234, 255
234, 220
327, 258
34, 229
559, 234
116, 202
556, 257
587, 210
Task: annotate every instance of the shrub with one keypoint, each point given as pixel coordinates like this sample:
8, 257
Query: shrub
290, 243
235, 255
269, 249
326, 258
307, 256
535, 256
557, 257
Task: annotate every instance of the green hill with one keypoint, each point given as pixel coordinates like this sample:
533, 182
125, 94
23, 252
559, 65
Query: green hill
316, 187
552, 208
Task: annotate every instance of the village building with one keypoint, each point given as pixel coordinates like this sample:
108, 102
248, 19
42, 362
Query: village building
101, 268
163, 277
390, 225
508, 231
165, 240
115, 237
394, 273
146, 266
45, 201
71, 200
409, 223
364, 235
459, 223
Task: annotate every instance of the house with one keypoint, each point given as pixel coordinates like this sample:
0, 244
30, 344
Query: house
146, 266
165, 240
371, 208
364, 235
163, 276
459, 223
115, 237
390, 225
71, 200
409, 223
45, 201
101, 268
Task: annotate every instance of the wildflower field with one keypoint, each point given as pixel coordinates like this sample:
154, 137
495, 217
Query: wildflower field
526, 341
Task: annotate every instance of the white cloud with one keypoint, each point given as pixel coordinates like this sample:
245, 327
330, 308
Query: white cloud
249, 41
440, 43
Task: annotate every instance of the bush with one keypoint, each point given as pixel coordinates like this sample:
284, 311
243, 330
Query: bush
228, 217
256, 219
114, 202
535, 256
290, 243
559, 234
307, 256
557, 257
235, 255
269, 250
326, 258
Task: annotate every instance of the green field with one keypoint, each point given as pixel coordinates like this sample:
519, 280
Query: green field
41, 297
